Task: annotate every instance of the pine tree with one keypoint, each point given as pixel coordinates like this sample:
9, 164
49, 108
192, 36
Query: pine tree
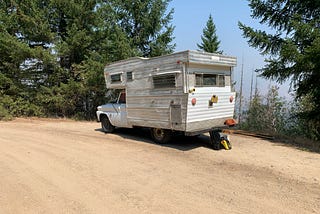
300, 126
210, 42
266, 113
275, 111
293, 51
24, 54
52, 53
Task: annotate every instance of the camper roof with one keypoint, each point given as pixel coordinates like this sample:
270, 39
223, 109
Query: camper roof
196, 57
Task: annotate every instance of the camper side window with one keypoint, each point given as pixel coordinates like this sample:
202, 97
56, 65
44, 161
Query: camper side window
129, 76
164, 81
116, 78
210, 80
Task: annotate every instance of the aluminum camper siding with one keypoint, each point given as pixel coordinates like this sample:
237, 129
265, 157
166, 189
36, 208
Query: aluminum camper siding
202, 116
170, 108
196, 57
148, 106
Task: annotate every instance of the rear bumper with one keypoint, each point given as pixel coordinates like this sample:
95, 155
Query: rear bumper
197, 132
200, 127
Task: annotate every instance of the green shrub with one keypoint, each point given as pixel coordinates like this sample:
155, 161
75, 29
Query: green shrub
4, 114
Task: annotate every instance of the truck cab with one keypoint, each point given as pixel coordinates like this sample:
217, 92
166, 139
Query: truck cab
113, 114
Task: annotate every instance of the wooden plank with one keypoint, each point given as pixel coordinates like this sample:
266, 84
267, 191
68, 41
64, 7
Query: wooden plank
247, 133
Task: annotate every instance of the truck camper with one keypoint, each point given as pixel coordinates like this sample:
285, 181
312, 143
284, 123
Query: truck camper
189, 92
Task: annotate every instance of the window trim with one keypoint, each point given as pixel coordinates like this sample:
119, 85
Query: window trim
132, 76
116, 81
164, 77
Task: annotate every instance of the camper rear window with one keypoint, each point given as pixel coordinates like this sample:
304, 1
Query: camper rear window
115, 78
164, 81
210, 80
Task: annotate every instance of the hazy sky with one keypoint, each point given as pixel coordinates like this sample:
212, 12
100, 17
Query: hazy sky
190, 18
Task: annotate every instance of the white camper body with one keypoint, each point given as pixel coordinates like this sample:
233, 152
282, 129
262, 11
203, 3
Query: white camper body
188, 91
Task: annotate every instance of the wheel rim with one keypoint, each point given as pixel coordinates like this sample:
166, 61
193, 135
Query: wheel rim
158, 133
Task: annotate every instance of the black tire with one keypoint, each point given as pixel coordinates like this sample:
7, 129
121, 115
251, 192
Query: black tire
161, 136
215, 140
106, 126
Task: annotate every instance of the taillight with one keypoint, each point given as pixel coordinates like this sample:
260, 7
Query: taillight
231, 99
193, 101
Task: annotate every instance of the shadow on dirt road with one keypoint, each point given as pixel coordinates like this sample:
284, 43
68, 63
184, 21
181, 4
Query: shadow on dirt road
179, 142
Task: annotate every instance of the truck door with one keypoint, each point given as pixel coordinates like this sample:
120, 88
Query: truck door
119, 118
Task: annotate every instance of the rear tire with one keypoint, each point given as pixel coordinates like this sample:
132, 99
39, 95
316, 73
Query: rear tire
161, 136
106, 126
215, 140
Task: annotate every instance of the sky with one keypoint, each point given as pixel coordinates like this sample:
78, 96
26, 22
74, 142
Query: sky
190, 18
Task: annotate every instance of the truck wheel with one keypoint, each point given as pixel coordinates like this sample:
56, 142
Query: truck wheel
215, 140
161, 136
106, 126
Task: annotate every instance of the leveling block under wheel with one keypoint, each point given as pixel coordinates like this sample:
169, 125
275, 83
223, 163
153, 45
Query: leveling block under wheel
219, 141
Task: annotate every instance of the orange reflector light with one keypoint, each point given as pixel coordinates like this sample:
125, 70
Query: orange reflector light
193, 101
230, 122
231, 99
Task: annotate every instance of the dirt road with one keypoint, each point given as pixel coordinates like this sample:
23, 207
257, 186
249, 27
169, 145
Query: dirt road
61, 166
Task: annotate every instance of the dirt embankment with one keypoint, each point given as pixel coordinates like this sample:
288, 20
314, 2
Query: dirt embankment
61, 166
